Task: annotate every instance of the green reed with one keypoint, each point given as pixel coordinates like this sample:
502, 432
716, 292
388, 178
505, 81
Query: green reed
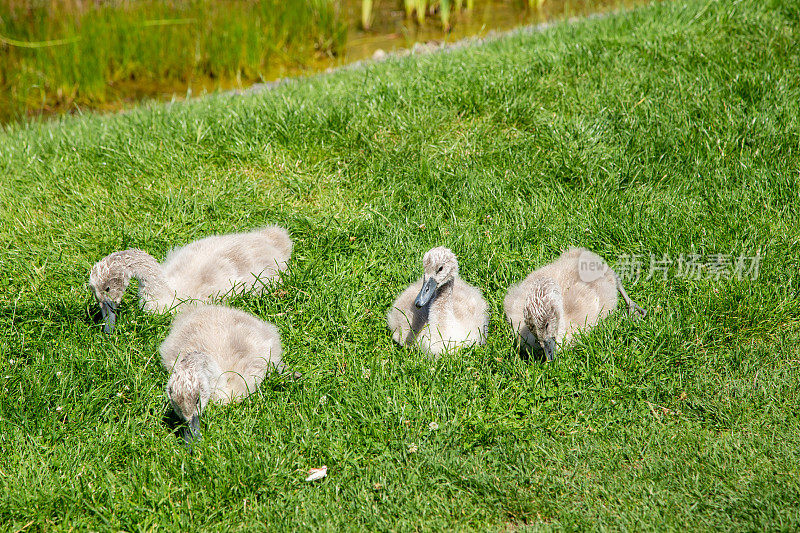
54, 54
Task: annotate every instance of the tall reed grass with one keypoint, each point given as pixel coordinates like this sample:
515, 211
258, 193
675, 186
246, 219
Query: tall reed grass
60, 51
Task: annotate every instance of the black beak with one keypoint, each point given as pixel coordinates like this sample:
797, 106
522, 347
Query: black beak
550, 348
191, 433
426, 293
109, 311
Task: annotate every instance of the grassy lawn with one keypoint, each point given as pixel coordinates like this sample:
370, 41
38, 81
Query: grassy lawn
674, 129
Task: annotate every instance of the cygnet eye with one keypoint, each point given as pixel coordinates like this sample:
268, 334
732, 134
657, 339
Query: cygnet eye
440, 269
108, 288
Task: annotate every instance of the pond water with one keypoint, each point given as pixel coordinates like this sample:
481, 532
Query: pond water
392, 30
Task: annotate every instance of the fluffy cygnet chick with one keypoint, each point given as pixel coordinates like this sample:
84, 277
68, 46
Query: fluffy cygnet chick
440, 311
216, 354
197, 272
571, 294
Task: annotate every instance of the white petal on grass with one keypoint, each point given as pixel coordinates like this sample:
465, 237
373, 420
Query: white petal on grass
317, 473
433, 426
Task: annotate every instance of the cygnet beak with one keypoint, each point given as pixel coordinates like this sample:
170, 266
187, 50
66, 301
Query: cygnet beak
426, 293
109, 311
191, 432
550, 348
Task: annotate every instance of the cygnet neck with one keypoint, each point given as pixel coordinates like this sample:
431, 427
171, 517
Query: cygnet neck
442, 302
153, 285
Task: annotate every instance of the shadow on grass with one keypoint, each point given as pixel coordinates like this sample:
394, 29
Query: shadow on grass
531, 354
53, 312
93, 316
173, 422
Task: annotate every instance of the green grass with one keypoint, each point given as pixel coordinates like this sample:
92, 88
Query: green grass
667, 130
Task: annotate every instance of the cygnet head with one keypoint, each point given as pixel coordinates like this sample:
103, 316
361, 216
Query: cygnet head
543, 313
440, 268
188, 390
108, 282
